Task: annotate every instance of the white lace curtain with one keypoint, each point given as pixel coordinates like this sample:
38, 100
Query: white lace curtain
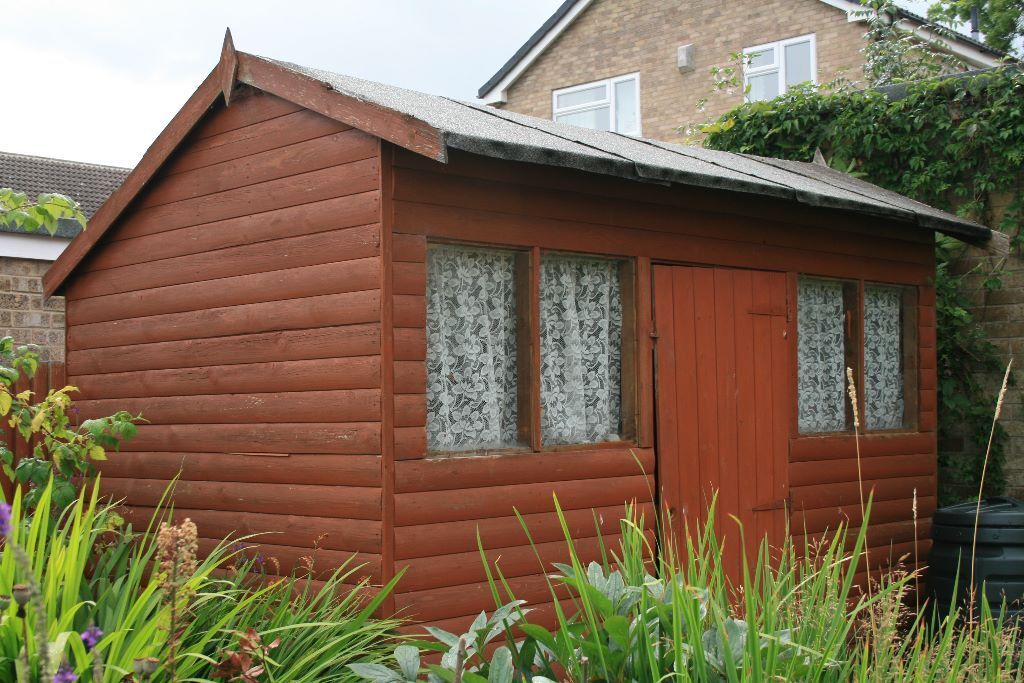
580, 349
821, 353
471, 348
883, 357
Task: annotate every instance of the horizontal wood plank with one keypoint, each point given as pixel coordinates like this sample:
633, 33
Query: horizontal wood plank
315, 311
500, 501
327, 469
834, 471
288, 252
284, 560
275, 285
439, 474
345, 179
347, 502
361, 372
281, 162
323, 342
352, 405
346, 211
844, 447
261, 136
848, 493
360, 438
423, 540
352, 535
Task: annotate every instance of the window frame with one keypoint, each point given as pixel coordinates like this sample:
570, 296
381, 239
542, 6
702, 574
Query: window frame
528, 361
779, 65
854, 355
608, 101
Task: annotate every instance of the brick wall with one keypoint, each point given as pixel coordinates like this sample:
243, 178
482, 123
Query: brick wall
615, 37
24, 314
1001, 314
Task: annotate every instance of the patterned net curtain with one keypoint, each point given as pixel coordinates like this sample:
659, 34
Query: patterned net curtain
883, 357
471, 349
820, 356
580, 349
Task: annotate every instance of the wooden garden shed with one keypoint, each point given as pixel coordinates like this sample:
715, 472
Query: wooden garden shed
375, 321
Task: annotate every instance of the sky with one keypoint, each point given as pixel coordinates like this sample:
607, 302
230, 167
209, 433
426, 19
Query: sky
98, 80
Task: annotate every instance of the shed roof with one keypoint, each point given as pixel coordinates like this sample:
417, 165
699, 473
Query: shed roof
431, 125
87, 184
501, 134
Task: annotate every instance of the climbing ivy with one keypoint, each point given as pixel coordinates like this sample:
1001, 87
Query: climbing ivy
951, 142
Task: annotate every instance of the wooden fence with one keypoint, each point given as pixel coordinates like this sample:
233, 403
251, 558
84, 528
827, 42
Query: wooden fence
48, 376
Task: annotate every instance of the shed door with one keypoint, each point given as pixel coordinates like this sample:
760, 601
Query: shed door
722, 385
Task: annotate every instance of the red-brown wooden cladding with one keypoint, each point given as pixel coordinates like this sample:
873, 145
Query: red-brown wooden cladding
236, 304
262, 300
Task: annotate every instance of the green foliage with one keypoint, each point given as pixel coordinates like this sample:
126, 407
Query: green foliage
952, 143
1002, 21
894, 55
642, 615
17, 210
61, 448
93, 569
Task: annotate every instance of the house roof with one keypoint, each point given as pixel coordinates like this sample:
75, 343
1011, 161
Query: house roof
433, 126
88, 184
570, 9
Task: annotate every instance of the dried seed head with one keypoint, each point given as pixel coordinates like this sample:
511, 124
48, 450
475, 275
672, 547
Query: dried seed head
851, 390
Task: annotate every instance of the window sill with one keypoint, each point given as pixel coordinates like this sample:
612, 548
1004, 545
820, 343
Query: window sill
525, 450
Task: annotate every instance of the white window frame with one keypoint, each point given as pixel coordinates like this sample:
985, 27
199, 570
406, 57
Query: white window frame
779, 65
609, 101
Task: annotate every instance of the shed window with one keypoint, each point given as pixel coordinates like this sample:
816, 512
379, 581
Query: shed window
612, 104
525, 349
822, 344
883, 357
471, 348
828, 341
773, 68
580, 349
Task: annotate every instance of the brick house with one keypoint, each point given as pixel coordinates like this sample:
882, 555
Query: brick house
639, 66
25, 313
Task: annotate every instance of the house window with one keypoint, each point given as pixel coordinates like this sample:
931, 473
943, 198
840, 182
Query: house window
612, 104
524, 349
829, 331
771, 69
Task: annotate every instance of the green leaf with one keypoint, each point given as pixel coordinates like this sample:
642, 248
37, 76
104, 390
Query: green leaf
501, 666
408, 658
376, 673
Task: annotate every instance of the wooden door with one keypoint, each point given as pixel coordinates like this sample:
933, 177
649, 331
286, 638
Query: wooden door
722, 385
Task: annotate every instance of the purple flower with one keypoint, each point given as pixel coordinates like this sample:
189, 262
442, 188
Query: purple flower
65, 674
91, 636
5, 519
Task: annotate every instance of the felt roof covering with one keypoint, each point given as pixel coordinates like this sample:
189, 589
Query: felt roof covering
432, 126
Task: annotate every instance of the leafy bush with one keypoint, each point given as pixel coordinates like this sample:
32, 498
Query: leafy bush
643, 615
99, 596
61, 449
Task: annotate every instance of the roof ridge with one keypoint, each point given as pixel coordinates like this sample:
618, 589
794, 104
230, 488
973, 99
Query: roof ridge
65, 161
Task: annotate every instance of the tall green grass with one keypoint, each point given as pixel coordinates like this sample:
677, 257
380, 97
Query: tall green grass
92, 569
650, 612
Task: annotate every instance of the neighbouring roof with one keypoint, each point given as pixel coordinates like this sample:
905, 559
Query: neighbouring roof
434, 126
570, 9
87, 184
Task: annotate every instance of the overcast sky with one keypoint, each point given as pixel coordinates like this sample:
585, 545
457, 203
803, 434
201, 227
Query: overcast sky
97, 80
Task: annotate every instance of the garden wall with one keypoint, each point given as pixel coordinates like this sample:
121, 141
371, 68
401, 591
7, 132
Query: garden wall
1001, 314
